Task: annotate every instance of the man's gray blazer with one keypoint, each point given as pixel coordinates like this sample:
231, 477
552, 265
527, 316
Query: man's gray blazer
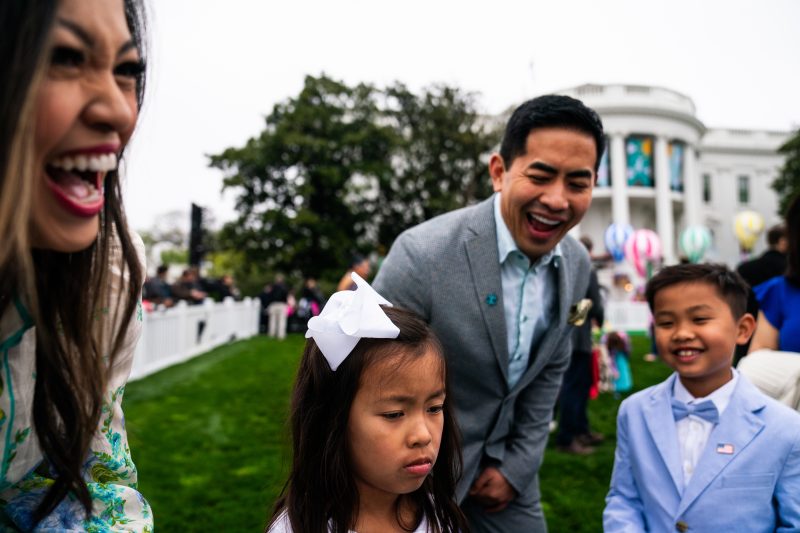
447, 270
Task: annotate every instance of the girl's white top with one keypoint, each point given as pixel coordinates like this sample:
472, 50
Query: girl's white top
282, 525
108, 469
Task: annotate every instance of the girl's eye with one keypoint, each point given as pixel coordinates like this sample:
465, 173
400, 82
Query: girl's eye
64, 56
436, 409
392, 416
130, 69
664, 324
701, 319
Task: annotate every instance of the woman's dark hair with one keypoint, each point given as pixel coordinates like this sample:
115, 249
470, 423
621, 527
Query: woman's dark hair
68, 291
793, 242
550, 111
321, 494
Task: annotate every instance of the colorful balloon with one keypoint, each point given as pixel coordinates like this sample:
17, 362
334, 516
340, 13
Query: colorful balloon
643, 247
695, 242
747, 226
615, 237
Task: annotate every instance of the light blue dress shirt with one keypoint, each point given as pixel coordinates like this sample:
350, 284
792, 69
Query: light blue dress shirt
530, 296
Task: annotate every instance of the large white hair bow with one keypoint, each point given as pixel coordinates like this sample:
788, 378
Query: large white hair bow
348, 317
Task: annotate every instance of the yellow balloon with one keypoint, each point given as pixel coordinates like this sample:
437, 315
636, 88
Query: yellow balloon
747, 226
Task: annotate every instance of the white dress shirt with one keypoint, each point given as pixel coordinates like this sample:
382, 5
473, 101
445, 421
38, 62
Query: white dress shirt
693, 431
529, 296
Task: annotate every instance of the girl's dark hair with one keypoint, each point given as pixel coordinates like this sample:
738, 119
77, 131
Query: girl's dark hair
69, 290
793, 238
321, 494
615, 343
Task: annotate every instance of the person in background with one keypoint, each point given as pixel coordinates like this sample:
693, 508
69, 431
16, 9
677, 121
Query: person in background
358, 264
157, 290
574, 435
278, 308
187, 288
778, 325
71, 271
619, 353
312, 294
756, 271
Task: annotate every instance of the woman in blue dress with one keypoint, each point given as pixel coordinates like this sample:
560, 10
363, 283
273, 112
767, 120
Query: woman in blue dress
778, 325
71, 80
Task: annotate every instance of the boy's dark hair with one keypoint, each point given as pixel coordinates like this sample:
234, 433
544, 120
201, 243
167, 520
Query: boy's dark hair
321, 494
550, 111
793, 244
730, 285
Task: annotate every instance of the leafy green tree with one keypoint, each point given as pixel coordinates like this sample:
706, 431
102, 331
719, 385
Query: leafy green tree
341, 169
787, 184
300, 181
440, 159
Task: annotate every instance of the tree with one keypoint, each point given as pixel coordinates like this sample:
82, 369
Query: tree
342, 169
299, 182
440, 159
787, 184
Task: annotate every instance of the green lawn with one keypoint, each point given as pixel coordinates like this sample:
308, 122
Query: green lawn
210, 440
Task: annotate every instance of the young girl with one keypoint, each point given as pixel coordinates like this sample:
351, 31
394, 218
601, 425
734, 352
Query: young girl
618, 352
375, 444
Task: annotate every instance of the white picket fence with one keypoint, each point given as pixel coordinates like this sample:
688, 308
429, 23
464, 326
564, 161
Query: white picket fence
174, 335
627, 316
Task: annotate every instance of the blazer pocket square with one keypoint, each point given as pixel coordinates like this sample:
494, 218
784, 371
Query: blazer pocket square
579, 312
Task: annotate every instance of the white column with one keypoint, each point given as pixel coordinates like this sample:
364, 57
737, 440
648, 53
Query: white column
620, 211
692, 188
664, 215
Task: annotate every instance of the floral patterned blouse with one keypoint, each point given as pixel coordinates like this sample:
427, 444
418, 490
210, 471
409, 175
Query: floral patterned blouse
109, 472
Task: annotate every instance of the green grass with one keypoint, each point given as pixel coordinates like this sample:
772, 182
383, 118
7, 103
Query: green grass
210, 440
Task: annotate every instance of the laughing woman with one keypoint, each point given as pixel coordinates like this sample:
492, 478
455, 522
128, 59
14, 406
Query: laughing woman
71, 81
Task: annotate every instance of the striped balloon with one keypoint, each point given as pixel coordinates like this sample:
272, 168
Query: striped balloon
747, 226
695, 242
643, 247
615, 237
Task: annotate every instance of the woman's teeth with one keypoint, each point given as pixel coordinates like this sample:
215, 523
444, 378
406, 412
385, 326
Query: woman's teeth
82, 163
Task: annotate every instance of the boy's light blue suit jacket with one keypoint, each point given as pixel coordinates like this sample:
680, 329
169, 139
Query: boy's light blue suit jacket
756, 488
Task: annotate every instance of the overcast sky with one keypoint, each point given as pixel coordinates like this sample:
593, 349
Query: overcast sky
218, 67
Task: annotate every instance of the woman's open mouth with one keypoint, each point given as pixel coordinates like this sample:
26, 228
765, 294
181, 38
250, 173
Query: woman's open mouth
77, 181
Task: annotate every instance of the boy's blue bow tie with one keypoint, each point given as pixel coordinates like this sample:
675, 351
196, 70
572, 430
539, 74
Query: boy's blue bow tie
705, 410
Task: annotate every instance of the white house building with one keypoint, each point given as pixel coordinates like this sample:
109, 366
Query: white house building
664, 169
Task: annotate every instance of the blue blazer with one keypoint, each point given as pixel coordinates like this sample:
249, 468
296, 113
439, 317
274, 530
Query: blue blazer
754, 488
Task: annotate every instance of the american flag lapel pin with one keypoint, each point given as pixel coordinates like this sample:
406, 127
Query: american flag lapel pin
725, 449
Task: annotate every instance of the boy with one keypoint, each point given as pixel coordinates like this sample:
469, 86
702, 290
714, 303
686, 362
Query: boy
703, 451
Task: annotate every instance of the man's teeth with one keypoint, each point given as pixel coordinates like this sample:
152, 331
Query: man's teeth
545, 220
81, 163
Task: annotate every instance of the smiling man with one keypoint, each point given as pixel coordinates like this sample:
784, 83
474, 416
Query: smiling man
496, 281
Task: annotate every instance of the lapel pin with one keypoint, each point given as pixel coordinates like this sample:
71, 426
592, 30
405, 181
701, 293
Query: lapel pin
725, 449
491, 299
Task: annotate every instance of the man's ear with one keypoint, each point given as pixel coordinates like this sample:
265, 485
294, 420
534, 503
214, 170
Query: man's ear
745, 328
497, 170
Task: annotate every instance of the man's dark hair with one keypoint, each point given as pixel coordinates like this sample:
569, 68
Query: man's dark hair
729, 285
162, 269
550, 111
793, 244
775, 234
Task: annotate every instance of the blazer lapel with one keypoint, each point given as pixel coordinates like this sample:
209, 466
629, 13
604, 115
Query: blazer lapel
484, 266
737, 427
661, 425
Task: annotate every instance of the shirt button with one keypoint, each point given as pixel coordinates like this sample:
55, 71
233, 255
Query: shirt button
524, 318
